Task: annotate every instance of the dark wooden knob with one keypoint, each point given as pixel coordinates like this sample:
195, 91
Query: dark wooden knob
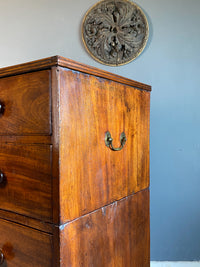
1, 108
2, 177
1, 257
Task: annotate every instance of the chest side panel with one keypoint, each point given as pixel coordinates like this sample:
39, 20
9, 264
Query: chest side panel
91, 174
115, 236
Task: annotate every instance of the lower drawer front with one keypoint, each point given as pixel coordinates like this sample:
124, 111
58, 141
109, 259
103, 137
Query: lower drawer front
26, 186
24, 247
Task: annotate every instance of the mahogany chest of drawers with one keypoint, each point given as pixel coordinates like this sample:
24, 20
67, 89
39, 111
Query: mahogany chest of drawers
74, 167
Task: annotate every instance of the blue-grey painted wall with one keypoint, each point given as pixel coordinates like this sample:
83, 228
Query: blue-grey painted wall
33, 29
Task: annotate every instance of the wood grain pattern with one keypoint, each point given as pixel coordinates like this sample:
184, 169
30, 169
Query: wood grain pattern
27, 189
27, 104
68, 200
47, 63
55, 141
23, 246
71, 64
26, 139
114, 236
27, 221
92, 175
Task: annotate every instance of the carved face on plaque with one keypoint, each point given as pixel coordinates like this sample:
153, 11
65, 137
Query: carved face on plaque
115, 32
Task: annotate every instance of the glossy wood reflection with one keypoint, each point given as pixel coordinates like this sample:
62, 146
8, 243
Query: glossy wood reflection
92, 175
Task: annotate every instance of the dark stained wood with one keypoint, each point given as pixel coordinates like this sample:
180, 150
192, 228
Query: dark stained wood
92, 175
26, 139
27, 189
55, 140
26, 100
114, 236
27, 221
71, 64
36, 65
56, 163
56, 247
23, 246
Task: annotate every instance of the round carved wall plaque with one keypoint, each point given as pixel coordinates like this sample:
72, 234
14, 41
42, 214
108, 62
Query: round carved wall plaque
115, 32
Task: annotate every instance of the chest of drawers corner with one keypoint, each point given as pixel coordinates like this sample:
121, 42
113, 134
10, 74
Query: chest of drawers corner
74, 167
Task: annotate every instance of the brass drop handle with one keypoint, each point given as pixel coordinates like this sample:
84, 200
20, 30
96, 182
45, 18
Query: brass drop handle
2, 107
108, 141
2, 177
1, 257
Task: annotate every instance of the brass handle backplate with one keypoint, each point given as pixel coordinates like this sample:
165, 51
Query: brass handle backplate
108, 141
1, 257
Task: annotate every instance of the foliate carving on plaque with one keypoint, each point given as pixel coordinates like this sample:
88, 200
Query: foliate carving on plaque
115, 31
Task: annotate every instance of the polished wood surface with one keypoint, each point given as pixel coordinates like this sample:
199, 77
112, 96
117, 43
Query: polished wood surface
116, 236
26, 139
27, 186
27, 221
66, 199
26, 100
91, 174
49, 62
56, 143
24, 247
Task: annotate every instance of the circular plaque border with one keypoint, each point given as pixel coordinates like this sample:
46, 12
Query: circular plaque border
135, 55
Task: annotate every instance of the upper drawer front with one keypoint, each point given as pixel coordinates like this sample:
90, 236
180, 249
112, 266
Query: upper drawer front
26, 104
21, 246
93, 175
26, 186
